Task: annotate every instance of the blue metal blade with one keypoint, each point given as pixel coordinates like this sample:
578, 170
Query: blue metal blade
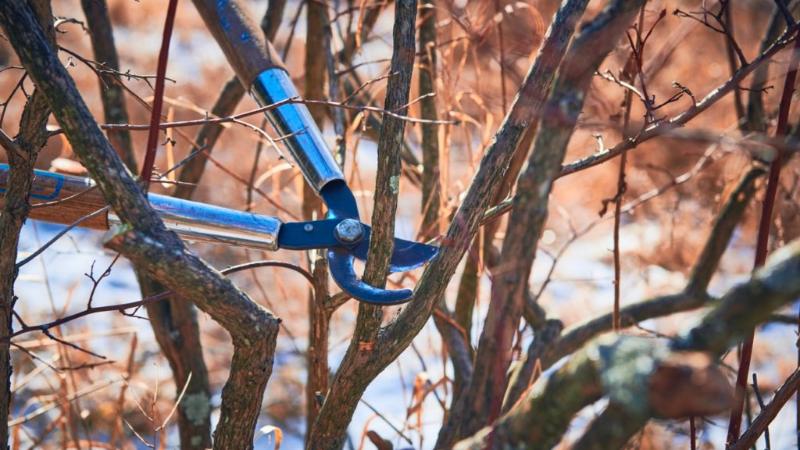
340, 262
340, 200
407, 255
308, 235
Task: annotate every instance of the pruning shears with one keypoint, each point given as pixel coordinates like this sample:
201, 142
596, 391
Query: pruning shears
342, 234
345, 238
259, 68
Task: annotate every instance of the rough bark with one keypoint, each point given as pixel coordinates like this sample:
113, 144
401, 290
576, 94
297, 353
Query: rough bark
319, 316
318, 311
735, 314
739, 311
483, 397
392, 139
467, 294
694, 295
331, 426
431, 180
455, 338
685, 385
483, 245
144, 239
639, 374
670, 126
174, 322
314, 86
612, 429
22, 152
396, 336
105, 52
648, 377
14, 213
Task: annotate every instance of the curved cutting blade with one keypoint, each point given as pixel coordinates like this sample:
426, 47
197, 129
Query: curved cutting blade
340, 262
406, 255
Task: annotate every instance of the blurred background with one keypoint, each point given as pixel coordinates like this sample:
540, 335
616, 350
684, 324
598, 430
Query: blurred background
675, 188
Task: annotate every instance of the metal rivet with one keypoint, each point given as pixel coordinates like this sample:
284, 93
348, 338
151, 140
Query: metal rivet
349, 231
308, 228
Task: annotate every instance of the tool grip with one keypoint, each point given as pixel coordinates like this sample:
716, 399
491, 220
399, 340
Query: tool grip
76, 197
243, 43
260, 70
294, 123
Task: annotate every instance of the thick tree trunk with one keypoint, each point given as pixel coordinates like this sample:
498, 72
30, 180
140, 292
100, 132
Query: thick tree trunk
330, 428
22, 153
173, 321
105, 52
13, 216
144, 240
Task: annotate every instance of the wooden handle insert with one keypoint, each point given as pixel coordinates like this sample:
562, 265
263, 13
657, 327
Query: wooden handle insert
62, 199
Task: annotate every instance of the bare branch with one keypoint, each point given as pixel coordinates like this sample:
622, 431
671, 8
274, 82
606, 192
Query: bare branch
649, 377
232, 93
768, 413
105, 51
22, 153
681, 119
144, 238
328, 429
694, 296
483, 399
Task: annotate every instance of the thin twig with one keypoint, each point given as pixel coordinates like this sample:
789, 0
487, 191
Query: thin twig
175, 405
58, 236
387, 422
761, 404
658, 129
768, 413
155, 298
49, 406
235, 117
762, 243
158, 98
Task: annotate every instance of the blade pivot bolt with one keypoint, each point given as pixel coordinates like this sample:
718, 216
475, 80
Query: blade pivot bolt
349, 231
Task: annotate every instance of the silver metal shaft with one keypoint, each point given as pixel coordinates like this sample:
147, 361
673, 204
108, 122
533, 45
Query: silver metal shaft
206, 223
293, 120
